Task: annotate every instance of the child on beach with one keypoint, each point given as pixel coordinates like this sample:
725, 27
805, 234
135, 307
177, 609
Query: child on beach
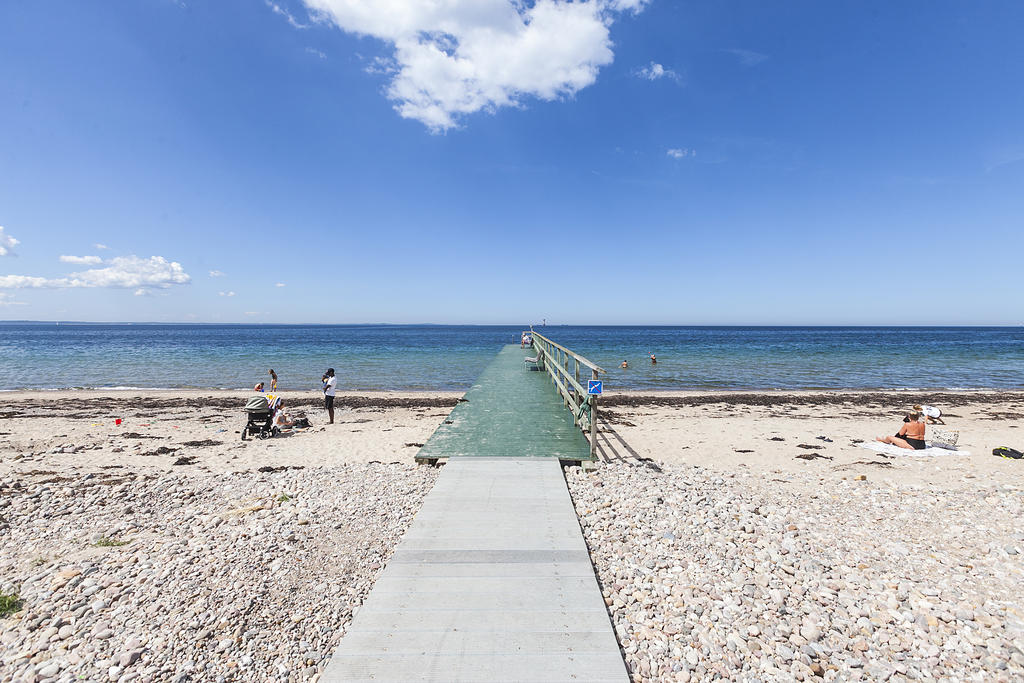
273, 380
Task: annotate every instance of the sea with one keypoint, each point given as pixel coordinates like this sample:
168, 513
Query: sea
449, 357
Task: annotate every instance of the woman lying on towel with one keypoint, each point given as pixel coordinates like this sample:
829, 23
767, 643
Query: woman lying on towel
911, 434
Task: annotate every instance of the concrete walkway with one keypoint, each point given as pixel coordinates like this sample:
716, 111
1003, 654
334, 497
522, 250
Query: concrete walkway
492, 582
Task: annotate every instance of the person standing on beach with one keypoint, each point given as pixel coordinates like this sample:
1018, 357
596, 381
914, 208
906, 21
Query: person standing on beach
273, 381
330, 385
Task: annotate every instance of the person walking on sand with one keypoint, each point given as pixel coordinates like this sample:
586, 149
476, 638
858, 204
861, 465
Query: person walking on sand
330, 385
273, 381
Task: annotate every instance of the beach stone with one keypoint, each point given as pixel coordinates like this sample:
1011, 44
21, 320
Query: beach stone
810, 632
126, 659
49, 671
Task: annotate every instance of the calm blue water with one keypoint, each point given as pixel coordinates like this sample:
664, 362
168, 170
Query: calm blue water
449, 357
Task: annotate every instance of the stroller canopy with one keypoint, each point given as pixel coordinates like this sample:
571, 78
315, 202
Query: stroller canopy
257, 404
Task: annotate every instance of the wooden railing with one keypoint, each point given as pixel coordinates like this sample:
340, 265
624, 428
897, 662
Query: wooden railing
563, 367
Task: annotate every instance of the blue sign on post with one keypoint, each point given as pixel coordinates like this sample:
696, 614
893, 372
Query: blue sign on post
594, 387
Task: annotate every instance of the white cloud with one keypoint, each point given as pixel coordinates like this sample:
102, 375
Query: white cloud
381, 66
655, 71
132, 271
123, 272
277, 9
747, 57
82, 260
216, 273
7, 243
141, 291
7, 299
279, 284
100, 246
318, 53
681, 153
225, 293
458, 57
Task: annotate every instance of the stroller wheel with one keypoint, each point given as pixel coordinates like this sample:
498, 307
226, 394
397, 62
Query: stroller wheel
244, 430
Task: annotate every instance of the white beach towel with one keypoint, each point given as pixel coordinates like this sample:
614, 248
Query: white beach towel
889, 449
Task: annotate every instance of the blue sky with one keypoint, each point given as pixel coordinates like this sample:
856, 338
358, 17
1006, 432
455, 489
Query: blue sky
610, 161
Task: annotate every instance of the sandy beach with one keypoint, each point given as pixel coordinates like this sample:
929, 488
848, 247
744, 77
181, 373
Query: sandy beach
778, 431
74, 431
729, 539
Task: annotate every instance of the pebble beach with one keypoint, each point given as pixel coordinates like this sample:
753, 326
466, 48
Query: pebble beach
722, 553
722, 577
243, 577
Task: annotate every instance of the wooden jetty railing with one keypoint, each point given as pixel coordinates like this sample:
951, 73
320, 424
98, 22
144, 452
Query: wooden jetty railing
563, 366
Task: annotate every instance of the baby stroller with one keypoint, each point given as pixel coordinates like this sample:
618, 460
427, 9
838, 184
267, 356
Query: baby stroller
261, 419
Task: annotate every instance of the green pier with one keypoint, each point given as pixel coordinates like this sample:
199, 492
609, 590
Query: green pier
510, 412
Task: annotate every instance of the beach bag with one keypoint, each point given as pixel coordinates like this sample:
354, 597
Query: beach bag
257, 404
945, 438
1007, 452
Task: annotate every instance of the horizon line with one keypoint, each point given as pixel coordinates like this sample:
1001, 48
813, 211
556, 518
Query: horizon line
554, 325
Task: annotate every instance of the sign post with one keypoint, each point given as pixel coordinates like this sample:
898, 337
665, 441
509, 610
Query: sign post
594, 388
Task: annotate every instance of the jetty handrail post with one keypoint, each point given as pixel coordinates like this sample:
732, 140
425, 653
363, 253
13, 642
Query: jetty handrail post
593, 420
565, 371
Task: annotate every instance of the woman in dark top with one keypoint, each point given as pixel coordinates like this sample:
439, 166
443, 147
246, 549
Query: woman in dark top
911, 434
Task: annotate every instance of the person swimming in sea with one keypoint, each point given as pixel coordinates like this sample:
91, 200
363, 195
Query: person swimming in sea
624, 365
654, 360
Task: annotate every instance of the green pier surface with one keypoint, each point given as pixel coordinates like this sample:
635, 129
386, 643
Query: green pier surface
510, 412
